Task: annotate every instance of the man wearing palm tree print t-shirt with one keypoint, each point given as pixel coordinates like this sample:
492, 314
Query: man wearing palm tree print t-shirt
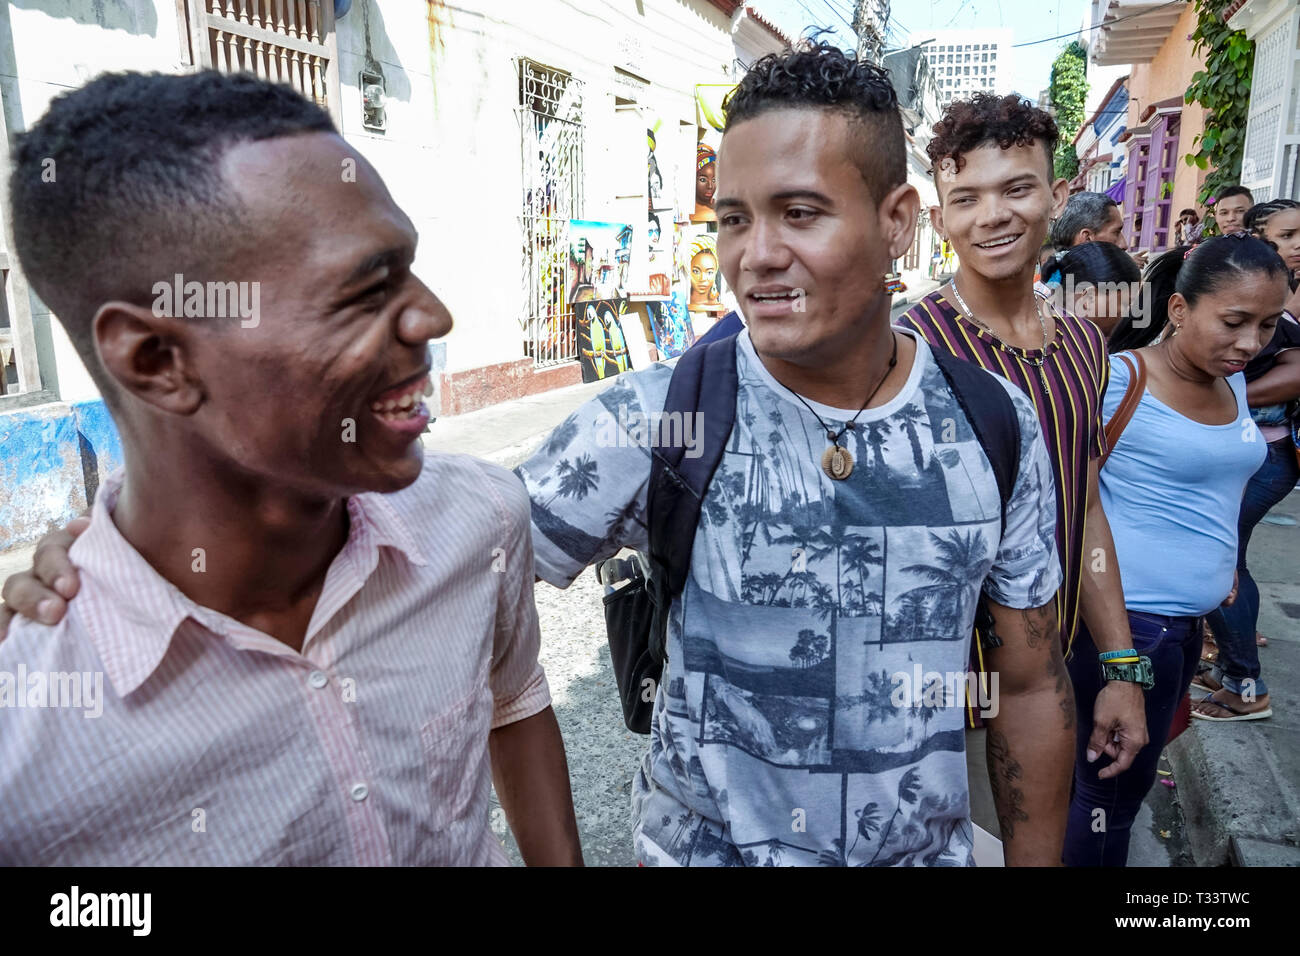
811, 708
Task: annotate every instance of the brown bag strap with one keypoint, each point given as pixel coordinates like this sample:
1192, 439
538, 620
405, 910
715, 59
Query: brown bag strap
1137, 385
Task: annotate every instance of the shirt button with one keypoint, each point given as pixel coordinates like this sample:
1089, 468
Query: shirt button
359, 792
318, 679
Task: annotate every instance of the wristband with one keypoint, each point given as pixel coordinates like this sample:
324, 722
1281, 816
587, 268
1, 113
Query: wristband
1112, 655
1138, 672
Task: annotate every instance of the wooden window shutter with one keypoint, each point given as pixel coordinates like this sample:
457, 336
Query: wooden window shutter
284, 41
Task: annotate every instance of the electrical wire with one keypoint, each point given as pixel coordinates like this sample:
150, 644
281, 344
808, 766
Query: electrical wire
843, 11
1097, 26
817, 21
834, 9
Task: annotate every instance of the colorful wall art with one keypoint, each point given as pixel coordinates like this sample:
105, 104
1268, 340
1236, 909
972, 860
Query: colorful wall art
698, 255
599, 258
602, 343
671, 325
706, 182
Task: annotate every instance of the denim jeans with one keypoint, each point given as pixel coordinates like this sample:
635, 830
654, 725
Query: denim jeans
1234, 627
1102, 811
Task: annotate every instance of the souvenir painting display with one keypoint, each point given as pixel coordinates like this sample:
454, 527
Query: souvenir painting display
711, 120
658, 195
660, 260
706, 182
600, 254
654, 272
671, 325
602, 343
698, 253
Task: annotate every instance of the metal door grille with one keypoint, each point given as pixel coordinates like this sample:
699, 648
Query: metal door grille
551, 140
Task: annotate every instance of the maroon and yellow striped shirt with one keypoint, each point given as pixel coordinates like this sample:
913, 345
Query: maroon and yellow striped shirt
1077, 369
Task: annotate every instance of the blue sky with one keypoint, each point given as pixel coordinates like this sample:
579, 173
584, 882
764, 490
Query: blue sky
910, 19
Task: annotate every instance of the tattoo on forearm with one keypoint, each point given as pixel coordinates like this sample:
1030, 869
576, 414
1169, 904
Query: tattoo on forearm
1041, 631
1004, 771
1064, 689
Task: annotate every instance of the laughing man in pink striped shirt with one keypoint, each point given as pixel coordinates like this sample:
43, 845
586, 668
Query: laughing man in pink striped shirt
316, 645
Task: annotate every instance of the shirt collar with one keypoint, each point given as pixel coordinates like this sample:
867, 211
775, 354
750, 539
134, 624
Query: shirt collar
829, 412
374, 519
131, 612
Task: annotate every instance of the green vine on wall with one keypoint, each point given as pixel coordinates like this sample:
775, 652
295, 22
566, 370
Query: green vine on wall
1223, 89
1067, 92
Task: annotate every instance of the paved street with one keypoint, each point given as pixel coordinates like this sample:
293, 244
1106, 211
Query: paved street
603, 753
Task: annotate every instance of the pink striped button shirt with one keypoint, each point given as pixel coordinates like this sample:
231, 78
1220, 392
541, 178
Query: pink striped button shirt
210, 743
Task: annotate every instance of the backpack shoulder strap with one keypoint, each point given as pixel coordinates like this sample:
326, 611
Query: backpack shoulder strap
992, 416
1137, 385
704, 386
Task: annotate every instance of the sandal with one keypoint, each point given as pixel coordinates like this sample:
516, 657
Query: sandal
1236, 714
1260, 640
1209, 649
1205, 679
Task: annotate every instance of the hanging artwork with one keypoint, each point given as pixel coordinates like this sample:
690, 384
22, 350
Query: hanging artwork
699, 253
706, 182
660, 264
657, 196
602, 345
600, 254
671, 325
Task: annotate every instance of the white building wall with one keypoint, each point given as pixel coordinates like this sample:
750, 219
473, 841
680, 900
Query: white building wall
43, 54
473, 175
450, 153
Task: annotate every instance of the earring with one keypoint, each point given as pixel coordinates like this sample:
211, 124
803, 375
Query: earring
894, 283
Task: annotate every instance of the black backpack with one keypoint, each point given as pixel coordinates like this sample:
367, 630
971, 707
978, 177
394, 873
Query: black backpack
705, 380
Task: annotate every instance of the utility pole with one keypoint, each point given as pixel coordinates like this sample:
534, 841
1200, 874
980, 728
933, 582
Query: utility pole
870, 19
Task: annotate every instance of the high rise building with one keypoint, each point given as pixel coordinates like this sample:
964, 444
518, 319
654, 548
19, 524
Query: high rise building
970, 61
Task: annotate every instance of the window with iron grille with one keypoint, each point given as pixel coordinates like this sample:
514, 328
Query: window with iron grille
284, 41
551, 150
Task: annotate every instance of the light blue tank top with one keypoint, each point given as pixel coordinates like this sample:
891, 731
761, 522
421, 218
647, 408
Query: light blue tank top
1172, 492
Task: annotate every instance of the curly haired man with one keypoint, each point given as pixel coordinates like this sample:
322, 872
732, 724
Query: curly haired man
997, 191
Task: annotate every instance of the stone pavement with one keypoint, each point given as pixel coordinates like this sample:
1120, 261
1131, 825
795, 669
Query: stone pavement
507, 433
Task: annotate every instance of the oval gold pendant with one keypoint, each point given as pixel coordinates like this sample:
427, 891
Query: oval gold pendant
837, 462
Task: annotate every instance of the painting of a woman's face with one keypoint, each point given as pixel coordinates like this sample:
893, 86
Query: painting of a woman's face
704, 271
706, 184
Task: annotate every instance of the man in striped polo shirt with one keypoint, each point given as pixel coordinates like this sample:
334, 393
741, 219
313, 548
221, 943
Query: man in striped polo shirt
997, 193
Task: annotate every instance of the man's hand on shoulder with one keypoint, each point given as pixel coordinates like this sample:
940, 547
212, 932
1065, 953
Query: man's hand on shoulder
42, 594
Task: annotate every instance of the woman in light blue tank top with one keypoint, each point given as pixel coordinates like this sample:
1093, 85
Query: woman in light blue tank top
1172, 488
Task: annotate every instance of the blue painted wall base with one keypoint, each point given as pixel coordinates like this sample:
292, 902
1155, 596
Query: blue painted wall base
52, 460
